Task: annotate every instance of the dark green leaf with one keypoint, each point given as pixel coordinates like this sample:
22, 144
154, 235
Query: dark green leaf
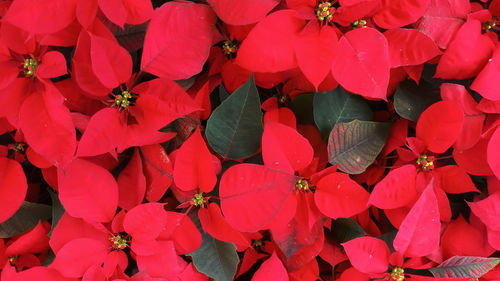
354, 146
411, 100
338, 106
57, 210
302, 107
25, 219
218, 260
234, 130
345, 229
464, 267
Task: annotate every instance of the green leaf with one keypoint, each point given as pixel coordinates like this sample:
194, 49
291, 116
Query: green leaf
25, 219
354, 146
302, 107
346, 229
234, 130
218, 260
464, 267
411, 100
337, 106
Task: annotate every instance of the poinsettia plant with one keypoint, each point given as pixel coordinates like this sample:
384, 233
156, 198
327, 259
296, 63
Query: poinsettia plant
257, 140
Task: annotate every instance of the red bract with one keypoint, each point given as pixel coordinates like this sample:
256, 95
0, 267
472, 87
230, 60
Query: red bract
178, 40
243, 11
400, 13
13, 187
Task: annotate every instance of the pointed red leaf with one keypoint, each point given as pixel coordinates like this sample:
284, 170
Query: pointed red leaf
131, 183
193, 166
78, 255
242, 12
362, 64
474, 159
491, 72
463, 239
114, 10
111, 63
178, 40
368, 254
271, 269
181, 229
154, 264
158, 171
396, 189
269, 47
493, 153
88, 191
32, 242
103, 134
293, 154
138, 11
487, 210
53, 64
397, 13
338, 196
41, 17
453, 179
47, 126
315, 50
252, 195
467, 53
13, 187
410, 47
440, 125
145, 221
419, 232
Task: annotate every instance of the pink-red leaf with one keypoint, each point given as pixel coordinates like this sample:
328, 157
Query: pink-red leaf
368, 254
269, 47
440, 125
362, 64
252, 195
88, 191
491, 72
493, 153
145, 221
487, 210
397, 13
242, 12
178, 40
419, 232
271, 269
337, 196
396, 189
13, 187
409, 47
131, 183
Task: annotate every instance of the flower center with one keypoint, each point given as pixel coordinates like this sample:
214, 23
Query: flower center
198, 200
18, 147
358, 24
325, 11
302, 185
426, 162
123, 99
398, 274
30, 65
230, 47
119, 242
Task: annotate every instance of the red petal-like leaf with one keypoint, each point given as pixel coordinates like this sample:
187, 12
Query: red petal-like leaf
78, 255
462, 239
242, 12
491, 72
178, 40
368, 254
337, 196
145, 221
252, 195
493, 153
158, 171
47, 126
41, 17
283, 148
315, 50
418, 234
409, 47
13, 187
467, 54
440, 125
88, 191
269, 47
487, 210
131, 183
396, 190
271, 269
53, 64
397, 13
362, 64
474, 159
193, 166
453, 179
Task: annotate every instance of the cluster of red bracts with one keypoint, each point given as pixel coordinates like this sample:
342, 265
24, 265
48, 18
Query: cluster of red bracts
88, 125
